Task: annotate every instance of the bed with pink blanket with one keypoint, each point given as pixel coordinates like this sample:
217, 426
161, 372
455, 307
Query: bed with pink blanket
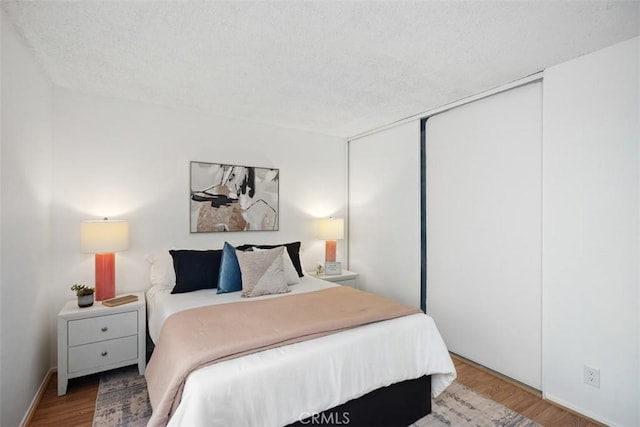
324, 354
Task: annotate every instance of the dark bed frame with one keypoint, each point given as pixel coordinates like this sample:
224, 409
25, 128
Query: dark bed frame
399, 404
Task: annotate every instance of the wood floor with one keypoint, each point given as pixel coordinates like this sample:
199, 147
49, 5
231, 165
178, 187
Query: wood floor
73, 409
521, 399
77, 406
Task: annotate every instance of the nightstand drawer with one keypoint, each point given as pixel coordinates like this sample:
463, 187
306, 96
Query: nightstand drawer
102, 328
100, 354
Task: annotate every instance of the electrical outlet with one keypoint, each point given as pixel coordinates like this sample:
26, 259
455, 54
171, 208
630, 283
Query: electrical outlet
592, 376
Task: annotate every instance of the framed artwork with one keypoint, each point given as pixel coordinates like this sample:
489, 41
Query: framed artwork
233, 198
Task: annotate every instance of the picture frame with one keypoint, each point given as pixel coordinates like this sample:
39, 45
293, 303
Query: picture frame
332, 268
226, 198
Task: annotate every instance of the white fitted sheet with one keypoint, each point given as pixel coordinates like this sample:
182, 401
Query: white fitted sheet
282, 385
161, 303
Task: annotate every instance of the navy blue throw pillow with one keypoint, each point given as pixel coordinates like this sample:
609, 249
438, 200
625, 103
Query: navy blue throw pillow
195, 269
230, 278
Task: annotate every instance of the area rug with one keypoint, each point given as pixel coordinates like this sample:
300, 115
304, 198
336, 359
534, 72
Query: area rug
123, 401
460, 406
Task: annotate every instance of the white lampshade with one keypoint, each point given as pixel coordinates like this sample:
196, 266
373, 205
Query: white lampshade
331, 229
105, 236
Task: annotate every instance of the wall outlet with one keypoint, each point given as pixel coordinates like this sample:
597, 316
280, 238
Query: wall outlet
592, 376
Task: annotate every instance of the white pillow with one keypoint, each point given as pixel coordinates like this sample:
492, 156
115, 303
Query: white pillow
290, 273
161, 272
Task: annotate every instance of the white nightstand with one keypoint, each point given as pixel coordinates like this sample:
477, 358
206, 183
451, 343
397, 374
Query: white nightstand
346, 278
99, 338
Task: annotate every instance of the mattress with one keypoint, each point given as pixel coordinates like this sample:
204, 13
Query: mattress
283, 385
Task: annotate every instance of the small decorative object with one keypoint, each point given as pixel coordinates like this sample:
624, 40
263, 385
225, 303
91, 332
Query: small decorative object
319, 269
332, 268
84, 294
233, 198
114, 302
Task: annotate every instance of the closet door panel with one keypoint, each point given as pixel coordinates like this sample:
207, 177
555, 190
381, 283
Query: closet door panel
384, 212
484, 185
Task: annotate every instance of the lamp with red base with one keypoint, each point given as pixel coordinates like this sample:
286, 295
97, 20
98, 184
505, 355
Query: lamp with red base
330, 229
104, 238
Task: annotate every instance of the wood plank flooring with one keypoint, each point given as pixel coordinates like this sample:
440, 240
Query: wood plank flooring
516, 397
77, 406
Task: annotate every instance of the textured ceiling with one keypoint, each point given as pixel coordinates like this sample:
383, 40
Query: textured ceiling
337, 68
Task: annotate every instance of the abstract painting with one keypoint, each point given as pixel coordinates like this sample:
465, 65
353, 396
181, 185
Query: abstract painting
233, 198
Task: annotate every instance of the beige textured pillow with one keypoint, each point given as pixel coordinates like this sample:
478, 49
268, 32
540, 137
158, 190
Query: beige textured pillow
290, 273
262, 272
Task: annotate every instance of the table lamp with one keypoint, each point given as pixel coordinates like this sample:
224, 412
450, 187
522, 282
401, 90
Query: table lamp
330, 229
103, 238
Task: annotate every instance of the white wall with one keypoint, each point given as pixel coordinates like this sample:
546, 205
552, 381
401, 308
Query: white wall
130, 160
25, 227
591, 233
484, 210
384, 212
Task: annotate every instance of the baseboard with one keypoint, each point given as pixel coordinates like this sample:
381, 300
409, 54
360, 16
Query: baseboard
26, 420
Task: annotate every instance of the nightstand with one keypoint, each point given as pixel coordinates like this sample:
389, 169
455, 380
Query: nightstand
99, 338
346, 278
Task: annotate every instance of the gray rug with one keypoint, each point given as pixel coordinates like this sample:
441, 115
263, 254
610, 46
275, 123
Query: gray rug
123, 401
460, 406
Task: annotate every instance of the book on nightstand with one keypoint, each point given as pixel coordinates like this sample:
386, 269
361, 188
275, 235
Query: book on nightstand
120, 300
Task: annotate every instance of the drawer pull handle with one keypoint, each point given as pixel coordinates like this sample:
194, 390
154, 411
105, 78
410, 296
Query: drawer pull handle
104, 329
104, 353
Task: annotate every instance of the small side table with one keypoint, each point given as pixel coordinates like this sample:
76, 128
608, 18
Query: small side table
98, 338
346, 278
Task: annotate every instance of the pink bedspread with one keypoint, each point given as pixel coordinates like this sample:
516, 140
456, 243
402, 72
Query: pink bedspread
201, 336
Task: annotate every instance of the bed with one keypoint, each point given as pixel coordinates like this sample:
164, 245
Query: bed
342, 378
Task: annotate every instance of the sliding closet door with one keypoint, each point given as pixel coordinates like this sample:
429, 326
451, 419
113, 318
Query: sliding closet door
384, 212
484, 191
